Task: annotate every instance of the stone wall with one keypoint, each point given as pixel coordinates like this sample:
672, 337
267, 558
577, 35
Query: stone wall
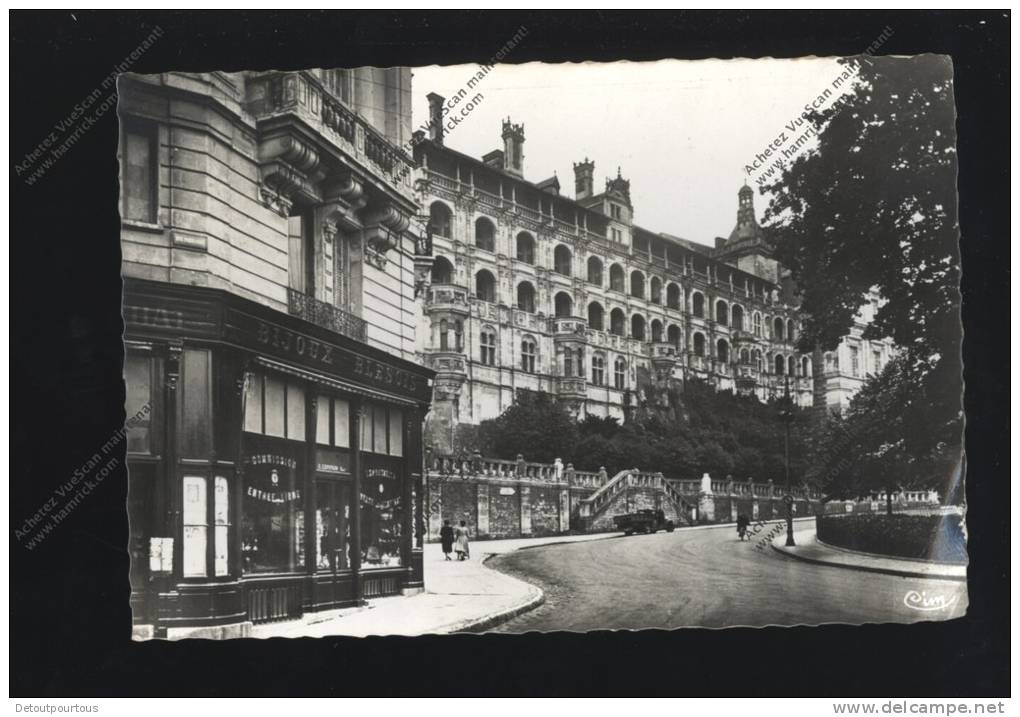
510, 499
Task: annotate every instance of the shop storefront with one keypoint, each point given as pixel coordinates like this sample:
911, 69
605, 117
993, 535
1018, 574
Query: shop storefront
279, 472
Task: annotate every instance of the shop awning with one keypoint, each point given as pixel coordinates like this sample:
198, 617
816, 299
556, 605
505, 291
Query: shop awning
333, 382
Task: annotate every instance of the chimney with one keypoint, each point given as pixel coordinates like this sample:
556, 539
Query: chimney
513, 147
584, 179
436, 117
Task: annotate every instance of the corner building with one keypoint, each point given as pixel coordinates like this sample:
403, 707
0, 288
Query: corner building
269, 263
534, 290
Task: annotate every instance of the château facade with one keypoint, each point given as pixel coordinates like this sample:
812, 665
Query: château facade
534, 290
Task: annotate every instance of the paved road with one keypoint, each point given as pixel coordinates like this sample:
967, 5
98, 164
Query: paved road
705, 578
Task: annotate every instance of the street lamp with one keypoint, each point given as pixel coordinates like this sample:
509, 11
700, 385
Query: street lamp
786, 416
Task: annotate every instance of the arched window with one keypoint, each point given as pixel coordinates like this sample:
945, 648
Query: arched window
637, 284
791, 366
617, 322
780, 364
526, 297
485, 234
485, 286
745, 356
722, 313
673, 296
528, 354
699, 344
656, 330
698, 304
805, 367
564, 304
789, 330
442, 271
777, 329
737, 317
620, 373
488, 346
655, 290
526, 248
637, 327
722, 351
439, 219
580, 363
673, 335
598, 370
561, 260
594, 271
595, 316
757, 324
444, 335
758, 363
616, 278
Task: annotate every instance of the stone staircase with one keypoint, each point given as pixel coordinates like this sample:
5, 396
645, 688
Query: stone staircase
631, 490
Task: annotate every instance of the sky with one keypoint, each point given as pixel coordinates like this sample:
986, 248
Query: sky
681, 131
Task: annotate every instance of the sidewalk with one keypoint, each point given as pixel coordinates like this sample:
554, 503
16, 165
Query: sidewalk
811, 550
459, 595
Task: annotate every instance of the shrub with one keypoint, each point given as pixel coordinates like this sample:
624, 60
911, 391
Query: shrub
938, 538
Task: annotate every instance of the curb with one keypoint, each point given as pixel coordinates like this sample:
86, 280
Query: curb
535, 598
866, 568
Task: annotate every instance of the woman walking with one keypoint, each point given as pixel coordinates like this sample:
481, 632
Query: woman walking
446, 538
463, 551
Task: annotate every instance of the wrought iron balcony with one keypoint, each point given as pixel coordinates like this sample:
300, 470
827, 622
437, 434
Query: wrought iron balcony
325, 315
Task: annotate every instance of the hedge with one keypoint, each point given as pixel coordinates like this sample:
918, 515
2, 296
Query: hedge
937, 538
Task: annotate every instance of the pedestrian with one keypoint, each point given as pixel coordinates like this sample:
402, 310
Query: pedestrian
446, 538
463, 552
742, 522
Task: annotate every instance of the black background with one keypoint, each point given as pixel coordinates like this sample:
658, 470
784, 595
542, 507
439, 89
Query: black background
70, 622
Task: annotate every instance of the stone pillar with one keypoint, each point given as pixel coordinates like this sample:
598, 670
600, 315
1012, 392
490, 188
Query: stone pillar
483, 509
706, 500
435, 505
525, 510
564, 510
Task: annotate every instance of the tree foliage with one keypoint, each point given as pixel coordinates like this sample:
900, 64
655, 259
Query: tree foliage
723, 435
875, 207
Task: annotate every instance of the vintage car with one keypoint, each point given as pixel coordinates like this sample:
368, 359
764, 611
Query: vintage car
643, 521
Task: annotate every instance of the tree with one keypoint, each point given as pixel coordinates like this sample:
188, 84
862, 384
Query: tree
874, 206
535, 426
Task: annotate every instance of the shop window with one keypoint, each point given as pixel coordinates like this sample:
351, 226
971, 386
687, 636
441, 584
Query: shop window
273, 407
381, 429
381, 518
138, 405
196, 524
332, 425
221, 513
139, 176
332, 525
272, 537
196, 423
275, 401
396, 432
295, 412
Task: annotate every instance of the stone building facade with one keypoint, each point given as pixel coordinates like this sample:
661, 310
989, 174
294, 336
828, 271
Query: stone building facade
270, 253
535, 290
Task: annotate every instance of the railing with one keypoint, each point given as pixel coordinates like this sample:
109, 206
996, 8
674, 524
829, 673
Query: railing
447, 296
302, 93
568, 326
325, 315
570, 386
